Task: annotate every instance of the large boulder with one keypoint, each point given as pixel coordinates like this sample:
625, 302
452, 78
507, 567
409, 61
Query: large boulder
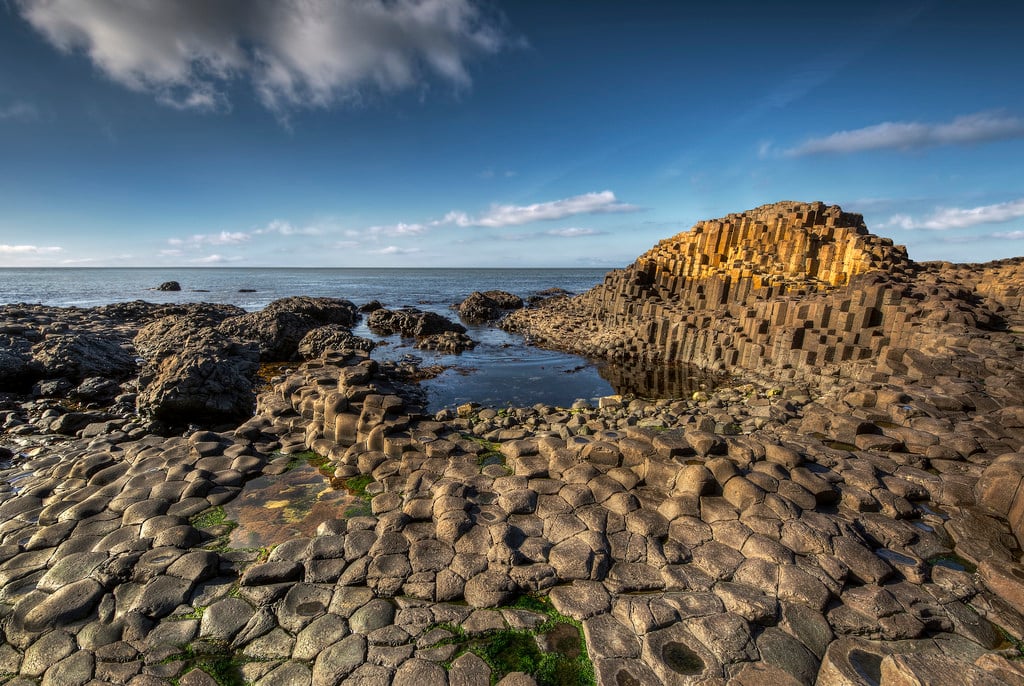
276, 334
332, 337
280, 326
411, 323
81, 355
195, 375
321, 310
164, 336
169, 286
488, 306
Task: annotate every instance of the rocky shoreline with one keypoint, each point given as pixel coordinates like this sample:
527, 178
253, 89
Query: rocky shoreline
854, 522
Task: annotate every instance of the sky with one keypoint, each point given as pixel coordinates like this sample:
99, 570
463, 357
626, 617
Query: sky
478, 133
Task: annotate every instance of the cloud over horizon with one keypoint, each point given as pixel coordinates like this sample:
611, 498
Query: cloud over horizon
980, 127
945, 218
6, 249
514, 215
313, 53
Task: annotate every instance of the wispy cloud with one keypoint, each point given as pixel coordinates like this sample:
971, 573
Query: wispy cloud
1009, 235
29, 249
981, 127
18, 110
574, 232
514, 215
945, 218
284, 228
399, 229
201, 239
314, 53
395, 250
216, 259
276, 227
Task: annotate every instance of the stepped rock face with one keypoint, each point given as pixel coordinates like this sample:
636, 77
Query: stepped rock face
796, 290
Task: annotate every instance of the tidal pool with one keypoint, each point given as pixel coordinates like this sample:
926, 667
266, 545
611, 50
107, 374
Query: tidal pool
273, 509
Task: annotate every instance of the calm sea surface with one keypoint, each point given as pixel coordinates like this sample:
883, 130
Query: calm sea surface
500, 371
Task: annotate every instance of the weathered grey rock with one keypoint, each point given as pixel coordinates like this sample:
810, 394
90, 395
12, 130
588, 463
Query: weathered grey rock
195, 375
339, 660
372, 616
490, 589
581, 599
225, 618
417, 672
74, 601
469, 670
82, 355
333, 337
480, 308
322, 632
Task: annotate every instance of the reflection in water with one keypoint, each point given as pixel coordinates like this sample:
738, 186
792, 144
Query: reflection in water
654, 381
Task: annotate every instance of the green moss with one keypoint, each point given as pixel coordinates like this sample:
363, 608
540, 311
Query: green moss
215, 659
212, 517
194, 614
554, 653
511, 651
216, 524
357, 486
313, 459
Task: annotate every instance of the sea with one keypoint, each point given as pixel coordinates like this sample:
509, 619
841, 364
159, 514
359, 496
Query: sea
501, 371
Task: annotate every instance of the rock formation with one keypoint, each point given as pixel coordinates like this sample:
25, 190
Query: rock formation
790, 289
489, 306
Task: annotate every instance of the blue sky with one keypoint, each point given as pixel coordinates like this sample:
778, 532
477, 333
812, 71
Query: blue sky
470, 133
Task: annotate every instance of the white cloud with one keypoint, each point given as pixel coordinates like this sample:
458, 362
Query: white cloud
573, 232
980, 127
29, 249
305, 53
945, 218
515, 215
395, 250
215, 259
19, 111
200, 239
1009, 235
284, 228
399, 229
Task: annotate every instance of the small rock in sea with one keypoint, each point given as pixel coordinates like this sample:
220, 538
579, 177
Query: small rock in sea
246, 290
169, 286
371, 306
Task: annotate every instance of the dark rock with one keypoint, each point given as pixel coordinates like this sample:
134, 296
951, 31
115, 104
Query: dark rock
97, 389
276, 333
67, 604
448, 342
206, 378
371, 306
83, 355
480, 308
321, 310
331, 337
411, 322
169, 286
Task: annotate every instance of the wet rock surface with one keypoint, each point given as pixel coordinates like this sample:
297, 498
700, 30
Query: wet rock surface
843, 527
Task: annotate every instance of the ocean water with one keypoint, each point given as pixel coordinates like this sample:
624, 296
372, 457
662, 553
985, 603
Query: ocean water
502, 370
